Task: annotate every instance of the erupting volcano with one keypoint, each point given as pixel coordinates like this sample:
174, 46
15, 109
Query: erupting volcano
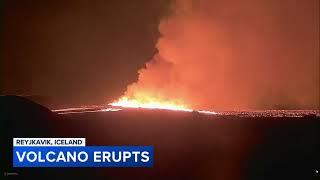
152, 104
205, 60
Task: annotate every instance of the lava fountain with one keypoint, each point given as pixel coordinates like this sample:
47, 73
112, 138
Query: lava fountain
140, 103
163, 83
160, 104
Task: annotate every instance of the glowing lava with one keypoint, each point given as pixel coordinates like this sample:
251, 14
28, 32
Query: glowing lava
133, 103
167, 105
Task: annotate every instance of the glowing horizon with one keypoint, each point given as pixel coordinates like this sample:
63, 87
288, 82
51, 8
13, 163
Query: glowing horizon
165, 105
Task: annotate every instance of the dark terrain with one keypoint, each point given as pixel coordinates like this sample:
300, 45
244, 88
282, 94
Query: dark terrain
187, 145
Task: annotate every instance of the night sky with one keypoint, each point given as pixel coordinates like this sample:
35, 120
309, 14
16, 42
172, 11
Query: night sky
77, 52
86, 52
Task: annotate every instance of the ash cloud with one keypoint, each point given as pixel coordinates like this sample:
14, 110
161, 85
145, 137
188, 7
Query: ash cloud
229, 54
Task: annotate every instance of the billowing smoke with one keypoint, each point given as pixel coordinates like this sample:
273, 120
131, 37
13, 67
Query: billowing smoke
230, 54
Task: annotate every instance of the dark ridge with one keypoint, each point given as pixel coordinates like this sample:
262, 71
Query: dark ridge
21, 117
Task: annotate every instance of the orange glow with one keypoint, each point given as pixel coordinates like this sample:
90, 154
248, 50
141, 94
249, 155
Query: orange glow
136, 103
158, 104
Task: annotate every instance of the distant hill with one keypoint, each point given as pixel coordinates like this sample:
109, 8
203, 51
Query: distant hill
21, 117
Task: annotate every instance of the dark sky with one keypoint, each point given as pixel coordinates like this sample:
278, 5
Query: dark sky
77, 52
86, 52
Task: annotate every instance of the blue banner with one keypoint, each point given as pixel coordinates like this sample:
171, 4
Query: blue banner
87, 156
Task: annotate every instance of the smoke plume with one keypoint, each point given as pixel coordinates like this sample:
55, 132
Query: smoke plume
229, 54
